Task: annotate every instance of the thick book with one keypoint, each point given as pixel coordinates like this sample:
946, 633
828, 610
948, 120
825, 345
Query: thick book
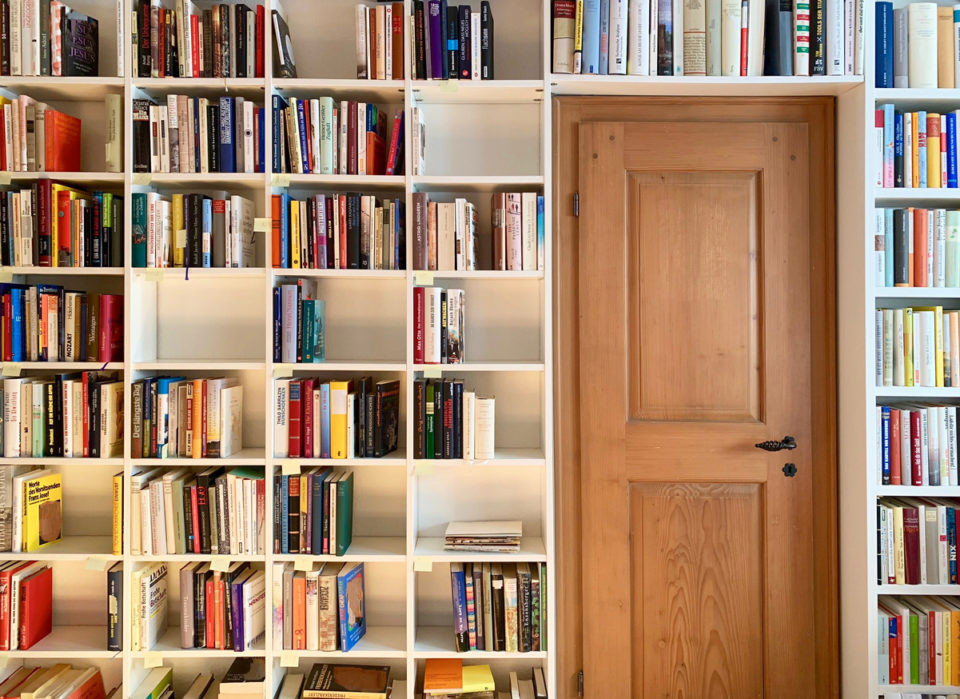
351, 600
336, 680
81, 45
115, 607
36, 608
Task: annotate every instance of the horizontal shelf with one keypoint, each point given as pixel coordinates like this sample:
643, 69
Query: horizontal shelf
169, 645
916, 392
394, 459
72, 548
438, 642
476, 183
919, 688
502, 457
923, 491
531, 549
59, 367
86, 178
339, 365
200, 365
380, 549
73, 89
65, 271
191, 557
60, 461
367, 90
344, 181
185, 273
915, 195
477, 91
377, 642
700, 86
499, 275
929, 96
218, 179
916, 293
252, 86
69, 642
481, 366
369, 274
249, 456
918, 589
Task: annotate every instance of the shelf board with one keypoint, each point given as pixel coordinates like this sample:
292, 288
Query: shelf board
702, 86
499, 275
377, 642
221, 180
926, 689
72, 548
531, 549
366, 90
921, 491
110, 179
919, 294
342, 181
187, 273
926, 96
61, 461
916, 392
359, 274
340, 365
66, 271
249, 456
476, 183
477, 91
395, 458
200, 365
508, 456
70, 642
73, 89
438, 642
59, 367
481, 367
915, 195
379, 549
918, 589
169, 645
193, 557
249, 88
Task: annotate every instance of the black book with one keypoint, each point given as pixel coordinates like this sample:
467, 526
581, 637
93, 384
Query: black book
204, 481
311, 218
447, 432
457, 421
193, 206
463, 41
420, 39
898, 149
49, 398
452, 43
419, 419
95, 403
353, 231
225, 41
524, 608
45, 38
200, 605
170, 66
369, 420
293, 514
145, 63
81, 45
141, 135
229, 578
95, 253
778, 38
387, 418
364, 388
240, 36
277, 326
444, 340
188, 515
116, 247
277, 508
299, 324
901, 247
213, 140
206, 71
283, 63
438, 391
91, 240
486, 41
496, 584
5, 37
115, 607
4, 229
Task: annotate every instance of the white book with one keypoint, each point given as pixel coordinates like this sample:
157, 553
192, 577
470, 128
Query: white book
431, 329
757, 17
834, 39
802, 19
281, 404
475, 56
678, 29
730, 11
363, 70
344, 165
114, 135
312, 110
922, 28
484, 430
30, 37
528, 218
694, 37
326, 143
387, 28
361, 138
858, 38
638, 37
351, 437
248, 123
153, 605
231, 418
908, 151
254, 606
16, 58
313, 609
12, 415
619, 29
469, 424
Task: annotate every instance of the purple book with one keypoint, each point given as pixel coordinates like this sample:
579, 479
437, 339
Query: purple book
458, 590
320, 223
236, 590
438, 53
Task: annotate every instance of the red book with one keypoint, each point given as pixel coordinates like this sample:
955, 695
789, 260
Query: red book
64, 241
5, 603
376, 154
91, 689
744, 33
394, 143
194, 508
898, 647
7, 329
372, 44
911, 543
3, 142
418, 296
276, 205
895, 478
195, 44
306, 399
162, 42
932, 641
259, 39
916, 448
62, 142
343, 231
36, 607
920, 247
396, 32
210, 613
219, 640
111, 328
351, 140
294, 412
85, 382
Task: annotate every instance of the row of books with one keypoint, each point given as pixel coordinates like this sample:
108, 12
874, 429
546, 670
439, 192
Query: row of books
192, 230
915, 149
438, 325
349, 419
338, 231
917, 346
245, 678
222, 609
450, 423
75, 415
47, 323
48, 224
298, 323
452, 42
916, 45
380, 41
917, 542
60, 681
917, 444
36, 510
36, 138
321, 609
26, 603
326, 137
313, 512
47, 37
183, 511
198, 134
220, 41
175, 417
499, 606
919, 640
916, 247
729, 38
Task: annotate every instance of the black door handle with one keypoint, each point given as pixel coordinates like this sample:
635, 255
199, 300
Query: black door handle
785, 443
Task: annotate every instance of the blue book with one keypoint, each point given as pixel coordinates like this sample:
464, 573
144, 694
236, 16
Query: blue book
206, 228
227, 127
163, 414
324, 421
540, 232
316, 502
885, 443
16, 340
898, 149
302, 133
604, 37
196, 133
591, 36
279, 104
888, 257
888, 120
400, 256
458, 595
318, 329
285, 230
922, 141
351, 599
884, 43
284, 514
277, 325
260, 142
951, 147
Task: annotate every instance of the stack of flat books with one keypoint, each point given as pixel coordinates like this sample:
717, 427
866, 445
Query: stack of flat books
498, 537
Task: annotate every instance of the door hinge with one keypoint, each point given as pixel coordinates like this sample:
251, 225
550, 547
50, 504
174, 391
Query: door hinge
576, 204
580, 683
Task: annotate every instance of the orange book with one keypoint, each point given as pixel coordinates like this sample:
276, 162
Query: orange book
920, 217
219, 631
61, 142
397, 35
443, 676
299, 611
199, 418
945, 50
276, 202
933, 149
92, 687
372, 44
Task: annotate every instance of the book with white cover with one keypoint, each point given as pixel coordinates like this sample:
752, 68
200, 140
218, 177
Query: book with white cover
487, 528
922, 40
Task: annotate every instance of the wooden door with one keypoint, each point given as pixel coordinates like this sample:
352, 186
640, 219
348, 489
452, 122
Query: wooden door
699, 558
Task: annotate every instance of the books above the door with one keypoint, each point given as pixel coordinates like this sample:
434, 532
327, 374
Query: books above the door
337, 419
46, 37
499, 606
729, 38
222, 607
192, 230
190, 134
917, 444
379, 41
299, 323
450, 677
451, 423
910, 651
498, 537
452, 42
917, 346
917, 541
37, 138
220, 41
915, 45
26, 596
313, 512
69, 682
76, 415
178, 417
212, 511
367, 681
320, 609
915, 149
916, 247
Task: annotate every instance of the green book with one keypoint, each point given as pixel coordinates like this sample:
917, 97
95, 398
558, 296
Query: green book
914, 649
344, 513
428, 422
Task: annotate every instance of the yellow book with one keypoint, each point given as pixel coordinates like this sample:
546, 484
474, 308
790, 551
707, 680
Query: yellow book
945, 48
954, 647
118, 514
937, 338
908, 346
477, 678
899, 568
42, 511
933, 145
199, 390
295, 234
338, 419
915, 152
947, 647
179, 241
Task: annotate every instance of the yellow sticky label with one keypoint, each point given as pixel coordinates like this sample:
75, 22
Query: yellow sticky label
97, 563
432, 372
220, 563
422, 564
302, 563
262, 225
423, 468
6, 177
152, 659
423, 278
154, 274
6, 275
12, 368
142, 178
449, 85
288, 658
280, 180
182, 238
290, 468
283, 371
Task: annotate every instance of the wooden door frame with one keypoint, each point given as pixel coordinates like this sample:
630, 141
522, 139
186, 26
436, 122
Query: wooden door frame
818, 113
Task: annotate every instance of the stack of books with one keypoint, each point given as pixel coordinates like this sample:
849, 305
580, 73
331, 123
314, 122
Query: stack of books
76, 415
917, 247
46, 37
246, 677
298, 323
320, 609
380, 41
915, 45
222, 41
335, 419
498, 606
313, 512
176, 417
911, 651
46, 323
327, 680
438, 325
198, 134
449, 678
917, 542
216, 231
917, 346
61, 681
183, 511
36, 138
452, 42
222, 609
498, 537
450, 423
325, 137
26, 604
917, 444
338, 231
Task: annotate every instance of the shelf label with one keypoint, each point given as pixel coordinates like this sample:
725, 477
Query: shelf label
280, 180
449, 85
142, 178
288, 658
432, 372
423, 278
97, 563
12, 368
152, 659
302, 563
153, 274
422, 564
290, 468
6, 275
6, 177
283, 371
220, 564
262, 225
423, 468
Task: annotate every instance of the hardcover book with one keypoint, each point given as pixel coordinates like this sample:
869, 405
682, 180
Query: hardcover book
326, 680
350, 594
